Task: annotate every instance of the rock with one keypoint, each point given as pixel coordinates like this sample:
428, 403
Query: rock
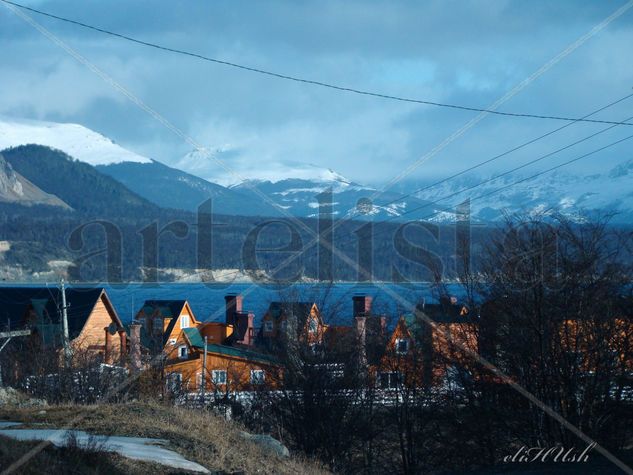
268, 443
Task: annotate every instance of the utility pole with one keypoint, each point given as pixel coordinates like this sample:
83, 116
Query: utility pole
204, 372
65, 322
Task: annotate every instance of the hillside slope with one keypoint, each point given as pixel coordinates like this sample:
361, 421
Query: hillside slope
14, 188
78, 184
197, 435
172, 188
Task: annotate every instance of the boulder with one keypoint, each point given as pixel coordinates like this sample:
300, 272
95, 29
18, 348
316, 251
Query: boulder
268, 443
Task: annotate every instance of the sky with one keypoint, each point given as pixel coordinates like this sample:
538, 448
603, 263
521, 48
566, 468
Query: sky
460, 52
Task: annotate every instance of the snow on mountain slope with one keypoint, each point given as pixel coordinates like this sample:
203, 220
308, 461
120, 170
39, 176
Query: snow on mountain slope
565, 192
200, 163
75, 140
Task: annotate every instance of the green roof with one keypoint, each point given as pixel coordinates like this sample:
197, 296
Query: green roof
194, 337
196, 340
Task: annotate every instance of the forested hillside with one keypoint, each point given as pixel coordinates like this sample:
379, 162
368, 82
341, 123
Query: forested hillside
76, 183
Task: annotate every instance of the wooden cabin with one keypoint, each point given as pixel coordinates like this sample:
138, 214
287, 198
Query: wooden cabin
162, 322
93, 324
427, 345
228, 368
297, 320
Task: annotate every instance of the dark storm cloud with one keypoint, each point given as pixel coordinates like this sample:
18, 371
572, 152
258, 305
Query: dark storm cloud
458, 52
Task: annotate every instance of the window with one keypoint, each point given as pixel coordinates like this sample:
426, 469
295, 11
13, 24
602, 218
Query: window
389, 380
218, 376
184, 321
283, 325
402, 346
183, 352
257, 376
268, 326
171, 341
313, 326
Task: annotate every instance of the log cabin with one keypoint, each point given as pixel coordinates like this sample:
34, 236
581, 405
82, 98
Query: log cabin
170, 328
297, 320
427, 346
228, 368
93, 324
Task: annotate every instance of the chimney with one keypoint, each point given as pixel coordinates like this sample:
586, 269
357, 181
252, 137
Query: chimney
123, 338
233, 304
135, 346
107, 349
244, 329
362, 305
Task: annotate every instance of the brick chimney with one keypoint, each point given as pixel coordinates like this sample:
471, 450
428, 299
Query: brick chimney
135, 346
362, 305
233, 304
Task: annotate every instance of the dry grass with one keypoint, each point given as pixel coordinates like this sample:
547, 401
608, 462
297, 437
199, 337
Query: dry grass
70, 461
197, 435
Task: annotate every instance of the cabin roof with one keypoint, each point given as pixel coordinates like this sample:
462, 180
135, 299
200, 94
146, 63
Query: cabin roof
46, 303
168, 309
195, 340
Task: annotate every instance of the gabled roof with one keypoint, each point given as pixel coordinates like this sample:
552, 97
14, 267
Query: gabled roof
195, 340
46, 302
167, 309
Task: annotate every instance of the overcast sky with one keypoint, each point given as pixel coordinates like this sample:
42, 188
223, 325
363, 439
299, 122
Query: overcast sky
462, 52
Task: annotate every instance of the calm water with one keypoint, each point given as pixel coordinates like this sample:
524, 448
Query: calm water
207, 300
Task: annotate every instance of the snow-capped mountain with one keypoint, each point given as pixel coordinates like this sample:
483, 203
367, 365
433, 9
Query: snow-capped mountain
75, 140
573, 195
281, 189
292, 188
231, 172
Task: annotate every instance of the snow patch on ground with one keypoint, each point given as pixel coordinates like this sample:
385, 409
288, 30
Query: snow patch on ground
136, 448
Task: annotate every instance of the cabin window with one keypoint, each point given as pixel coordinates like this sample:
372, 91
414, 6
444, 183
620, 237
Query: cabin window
402, 346
257, 376
389, 380
218, 376
283, 325
183, 352
313, 326
268, 326
184, 321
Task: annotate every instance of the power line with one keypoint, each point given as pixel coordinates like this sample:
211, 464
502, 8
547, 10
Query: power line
305, 80
507, 152
497, 190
